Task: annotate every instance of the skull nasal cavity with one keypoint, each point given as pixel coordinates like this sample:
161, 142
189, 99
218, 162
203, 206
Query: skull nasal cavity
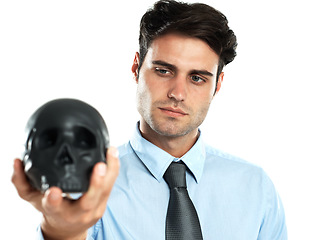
64, 157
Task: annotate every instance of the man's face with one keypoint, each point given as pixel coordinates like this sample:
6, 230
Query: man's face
176, 84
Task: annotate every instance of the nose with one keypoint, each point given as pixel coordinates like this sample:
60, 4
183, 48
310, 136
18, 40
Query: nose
64, 156
178, 88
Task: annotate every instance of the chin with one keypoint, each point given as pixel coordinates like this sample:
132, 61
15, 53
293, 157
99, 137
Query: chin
168, 129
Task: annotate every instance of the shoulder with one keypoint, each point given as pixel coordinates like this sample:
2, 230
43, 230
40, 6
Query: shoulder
222, 158
230, 166
245, 179
235, 171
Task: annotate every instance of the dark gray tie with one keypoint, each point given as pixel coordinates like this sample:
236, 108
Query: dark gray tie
182, 222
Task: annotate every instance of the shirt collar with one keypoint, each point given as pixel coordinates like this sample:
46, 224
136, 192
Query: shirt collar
157, 160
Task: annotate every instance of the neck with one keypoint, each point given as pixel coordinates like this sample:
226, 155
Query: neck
176, 146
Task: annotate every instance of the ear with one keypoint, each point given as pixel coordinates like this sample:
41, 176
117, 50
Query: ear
219, 82
135, 67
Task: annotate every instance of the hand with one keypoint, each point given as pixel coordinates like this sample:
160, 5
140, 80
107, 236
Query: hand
67, 219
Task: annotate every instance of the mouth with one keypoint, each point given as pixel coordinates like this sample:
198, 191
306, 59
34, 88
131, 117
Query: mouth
173, 112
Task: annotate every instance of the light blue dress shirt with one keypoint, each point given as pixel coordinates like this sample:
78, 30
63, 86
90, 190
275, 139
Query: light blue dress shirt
235, 200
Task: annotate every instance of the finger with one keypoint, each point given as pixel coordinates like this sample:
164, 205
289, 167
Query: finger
102, 180
20, 181
52, 199
90, 200
53, 203
104, 175
23, 187
58, 214
113, 165
97, 178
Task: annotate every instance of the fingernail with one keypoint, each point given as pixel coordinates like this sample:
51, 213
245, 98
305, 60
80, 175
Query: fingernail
101, 169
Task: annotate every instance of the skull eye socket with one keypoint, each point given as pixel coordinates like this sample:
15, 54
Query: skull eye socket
84, 138
47, 139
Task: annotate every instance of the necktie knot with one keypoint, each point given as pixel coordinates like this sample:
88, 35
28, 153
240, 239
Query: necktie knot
175, 175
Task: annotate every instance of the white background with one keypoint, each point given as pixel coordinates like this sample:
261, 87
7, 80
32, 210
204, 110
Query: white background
264, 112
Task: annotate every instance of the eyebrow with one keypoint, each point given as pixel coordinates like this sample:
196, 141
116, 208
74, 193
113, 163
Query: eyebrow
202, 72
164, 64
173, 67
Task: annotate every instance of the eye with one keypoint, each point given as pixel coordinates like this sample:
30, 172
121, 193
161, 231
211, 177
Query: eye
162, 71
197, 79
84, 138
47, 139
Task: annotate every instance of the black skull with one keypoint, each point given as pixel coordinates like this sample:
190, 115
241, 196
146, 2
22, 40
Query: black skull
66, 138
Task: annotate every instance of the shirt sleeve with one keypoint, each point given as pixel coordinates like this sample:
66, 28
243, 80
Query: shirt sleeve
96, 231
273, 226
91, 234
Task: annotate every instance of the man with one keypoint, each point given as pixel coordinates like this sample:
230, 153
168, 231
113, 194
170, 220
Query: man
183, 49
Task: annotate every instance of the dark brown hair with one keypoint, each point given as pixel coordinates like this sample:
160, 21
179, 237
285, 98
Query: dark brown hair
194, 20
